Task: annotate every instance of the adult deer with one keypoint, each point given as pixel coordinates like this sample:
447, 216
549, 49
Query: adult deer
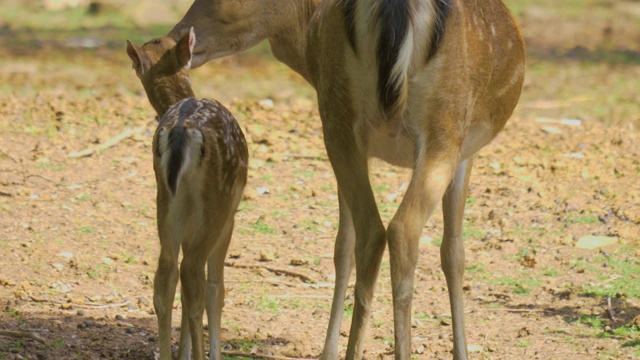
422, 84
200, 158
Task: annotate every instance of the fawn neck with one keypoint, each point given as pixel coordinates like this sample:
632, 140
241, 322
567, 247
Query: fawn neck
168, 90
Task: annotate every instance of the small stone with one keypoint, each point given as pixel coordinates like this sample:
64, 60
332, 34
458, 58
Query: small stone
89, 323
266, 256
266, 104
143, 301
130, 330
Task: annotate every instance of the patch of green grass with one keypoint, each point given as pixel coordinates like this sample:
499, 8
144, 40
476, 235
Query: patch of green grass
593, 321
245, 345
632, 343
269, 304
17, 345
524, 252
622, 277
583, 219
437, 242
259, 227
469, 232
348, 310
478, 271
58, 343
304, 173
524, 343
380, 188
627, 331
519, 285
549, 271
52, 166
87, 230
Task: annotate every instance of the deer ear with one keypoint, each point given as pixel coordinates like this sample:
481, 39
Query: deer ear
141, 62
184, 48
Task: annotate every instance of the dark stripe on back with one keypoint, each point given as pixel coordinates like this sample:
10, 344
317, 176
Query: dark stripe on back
393, 19
177, 141
443, 7
350, 21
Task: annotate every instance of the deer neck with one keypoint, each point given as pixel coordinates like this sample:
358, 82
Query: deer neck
164, 92
288, 38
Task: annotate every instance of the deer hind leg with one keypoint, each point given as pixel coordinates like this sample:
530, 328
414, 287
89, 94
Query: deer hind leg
215, 290
452, 252
343, 260
431, 176
184, 347
192, 277
351, 170
166, 277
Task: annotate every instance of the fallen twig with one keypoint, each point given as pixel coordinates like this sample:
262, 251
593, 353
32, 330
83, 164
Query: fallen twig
612, 314
86, 305
309, 157
43, 178
290, 296
106, 306
260, 356
276, 271
8, 156
22, 335
517, 310
109, 143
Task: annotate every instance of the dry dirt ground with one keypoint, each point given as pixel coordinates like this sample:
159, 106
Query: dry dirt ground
78, 242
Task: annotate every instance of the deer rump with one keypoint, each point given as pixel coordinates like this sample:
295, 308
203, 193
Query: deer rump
406, 34
180, 151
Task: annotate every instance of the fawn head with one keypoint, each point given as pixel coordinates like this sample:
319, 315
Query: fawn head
162, 65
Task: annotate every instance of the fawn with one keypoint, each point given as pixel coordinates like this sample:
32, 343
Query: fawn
200, 160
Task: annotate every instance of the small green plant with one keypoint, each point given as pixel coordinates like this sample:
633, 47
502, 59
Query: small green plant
269, 304
348, 310
524, 343
15, 345
263, 228
245, 345
58, 343
583, 219
87, 230
304, 173
549, 271
378, 323
437, 242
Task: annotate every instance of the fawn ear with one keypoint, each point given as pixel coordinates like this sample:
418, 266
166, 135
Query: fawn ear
184, 48
141, 61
